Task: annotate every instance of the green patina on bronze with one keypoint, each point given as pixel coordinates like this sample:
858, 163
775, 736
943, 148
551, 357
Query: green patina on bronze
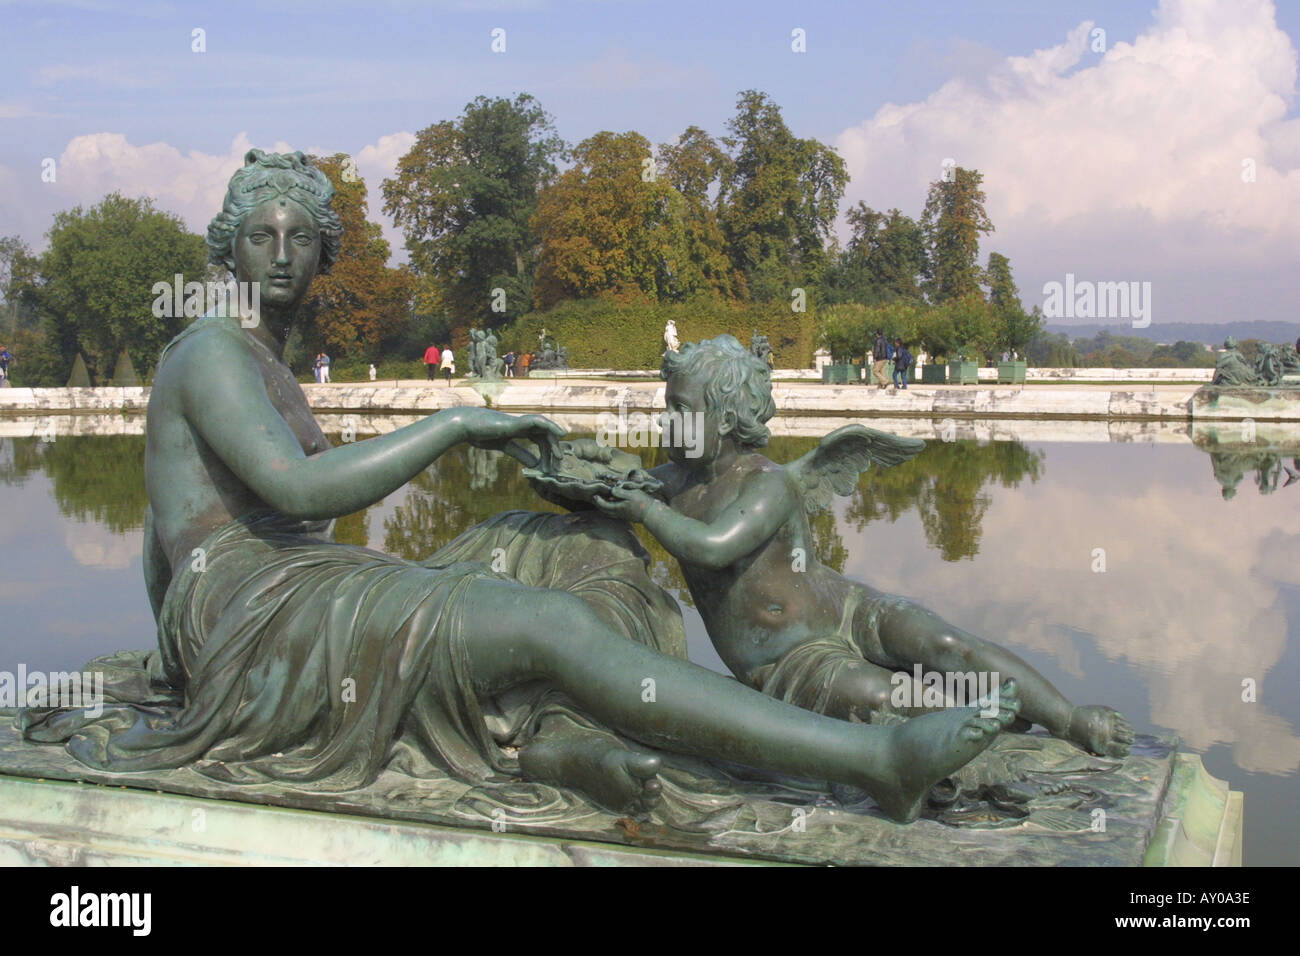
534, 652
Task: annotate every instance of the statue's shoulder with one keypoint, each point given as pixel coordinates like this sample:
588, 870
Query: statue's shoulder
205, 336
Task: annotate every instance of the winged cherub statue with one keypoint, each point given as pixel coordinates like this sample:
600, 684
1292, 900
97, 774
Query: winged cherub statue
783, 622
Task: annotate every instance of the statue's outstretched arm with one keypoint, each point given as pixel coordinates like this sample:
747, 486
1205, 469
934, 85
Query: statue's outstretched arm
226, 402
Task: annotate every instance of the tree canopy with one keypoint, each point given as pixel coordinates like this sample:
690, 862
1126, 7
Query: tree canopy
464, 196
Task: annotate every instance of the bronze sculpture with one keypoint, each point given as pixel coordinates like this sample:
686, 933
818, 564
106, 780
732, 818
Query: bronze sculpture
285, 657
784, 623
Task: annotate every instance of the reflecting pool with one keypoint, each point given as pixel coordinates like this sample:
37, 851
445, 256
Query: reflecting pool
1124, 570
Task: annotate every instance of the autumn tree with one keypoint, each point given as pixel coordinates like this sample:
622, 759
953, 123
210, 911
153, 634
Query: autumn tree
360, 303
778, 200
464, 196
610, 225
953, 221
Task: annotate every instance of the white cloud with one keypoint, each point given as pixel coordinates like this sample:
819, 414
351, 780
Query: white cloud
190, 184
1122, 165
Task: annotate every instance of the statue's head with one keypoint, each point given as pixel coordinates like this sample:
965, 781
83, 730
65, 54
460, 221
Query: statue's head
722, 386
1230, 343
276, 226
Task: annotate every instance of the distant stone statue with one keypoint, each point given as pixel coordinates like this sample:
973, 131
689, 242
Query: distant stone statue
670, 337
760, 347
1290, 360
1269, 364
1232, 369
551, 356
1274, 366
483, 360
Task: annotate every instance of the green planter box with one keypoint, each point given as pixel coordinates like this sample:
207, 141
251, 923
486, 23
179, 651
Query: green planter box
963, 373
1012, 373
934, 374
838, 374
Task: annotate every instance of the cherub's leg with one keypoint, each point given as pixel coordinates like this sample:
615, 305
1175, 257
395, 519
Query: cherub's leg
912, 635
861, 688
529, 633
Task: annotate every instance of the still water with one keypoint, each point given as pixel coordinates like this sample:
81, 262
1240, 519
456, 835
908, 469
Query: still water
1121, 570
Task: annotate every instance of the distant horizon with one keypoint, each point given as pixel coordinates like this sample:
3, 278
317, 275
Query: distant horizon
1156, 148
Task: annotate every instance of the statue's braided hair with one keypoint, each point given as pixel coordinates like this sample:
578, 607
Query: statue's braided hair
734, 378
269, 176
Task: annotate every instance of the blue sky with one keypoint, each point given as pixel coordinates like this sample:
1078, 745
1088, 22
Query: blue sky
114, 92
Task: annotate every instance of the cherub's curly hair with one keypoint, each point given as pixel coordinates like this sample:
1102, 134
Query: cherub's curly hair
734, 378
267, 176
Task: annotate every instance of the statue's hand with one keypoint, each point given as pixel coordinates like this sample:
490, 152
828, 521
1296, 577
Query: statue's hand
628, 504
494, 431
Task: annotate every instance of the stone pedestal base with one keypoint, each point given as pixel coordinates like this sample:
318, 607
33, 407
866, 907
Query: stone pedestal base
1155, 808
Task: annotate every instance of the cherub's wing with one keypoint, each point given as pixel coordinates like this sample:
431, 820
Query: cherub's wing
832, 468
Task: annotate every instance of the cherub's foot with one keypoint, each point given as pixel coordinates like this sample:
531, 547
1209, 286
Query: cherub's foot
1100, 730
932, 746
620, 780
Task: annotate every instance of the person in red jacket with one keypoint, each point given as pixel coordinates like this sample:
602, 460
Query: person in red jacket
432, 357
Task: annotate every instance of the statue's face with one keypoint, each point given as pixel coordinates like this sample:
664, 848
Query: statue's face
692, 432
278, 246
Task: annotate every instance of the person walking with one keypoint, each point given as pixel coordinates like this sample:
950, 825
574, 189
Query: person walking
880, 358
315, 367
324, 368
432, 359
510, 364
902, 361
448, 363
5, 358
525, 362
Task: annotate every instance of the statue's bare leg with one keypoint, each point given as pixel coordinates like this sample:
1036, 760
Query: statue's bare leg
529, 633
911, 635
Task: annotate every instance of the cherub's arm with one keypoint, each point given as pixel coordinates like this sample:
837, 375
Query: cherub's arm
764, 504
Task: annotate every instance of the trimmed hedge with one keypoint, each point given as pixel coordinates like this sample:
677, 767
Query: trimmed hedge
605, 334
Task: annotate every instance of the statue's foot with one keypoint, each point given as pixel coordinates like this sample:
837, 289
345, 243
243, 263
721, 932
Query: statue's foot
1100, 730
618, 779
932, 746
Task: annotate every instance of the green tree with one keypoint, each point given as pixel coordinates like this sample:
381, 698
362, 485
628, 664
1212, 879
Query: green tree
884, 260
19, 271
608, 229
97, 277
35, 361
778, 200
695, 166
1016, 328
1051, 350
953, 221
974, 329
464, 197
361, 303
